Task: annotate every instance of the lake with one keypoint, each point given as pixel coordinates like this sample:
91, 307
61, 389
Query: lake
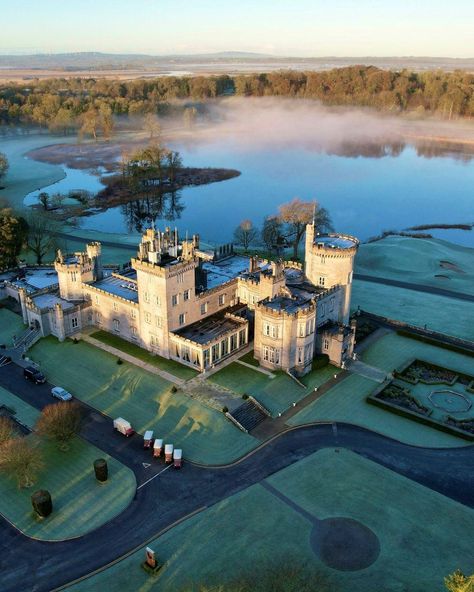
364, 195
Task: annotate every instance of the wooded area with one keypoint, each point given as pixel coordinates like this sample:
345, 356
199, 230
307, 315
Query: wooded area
88, 106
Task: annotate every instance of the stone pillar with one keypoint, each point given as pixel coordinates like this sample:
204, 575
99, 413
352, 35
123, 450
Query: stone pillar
60, 328
24, 311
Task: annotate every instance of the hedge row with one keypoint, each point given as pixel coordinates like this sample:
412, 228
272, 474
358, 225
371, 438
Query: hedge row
420, 418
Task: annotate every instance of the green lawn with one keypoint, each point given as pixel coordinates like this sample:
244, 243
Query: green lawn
446, 315
80, 503
346, 402
276, 394
418, 261
170, 366
10, 324
392, 350
144, 399
25, 413
254, 528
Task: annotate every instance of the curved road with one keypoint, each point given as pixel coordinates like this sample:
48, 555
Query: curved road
42, 566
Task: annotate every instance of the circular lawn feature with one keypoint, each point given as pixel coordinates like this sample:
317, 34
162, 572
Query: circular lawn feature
344, 544
450, 401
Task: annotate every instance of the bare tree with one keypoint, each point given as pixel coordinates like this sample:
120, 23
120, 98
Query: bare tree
41, 239
152, 125
60, 422
245, 234
43, 198
272, 231
296, 214
7, 429
21, 461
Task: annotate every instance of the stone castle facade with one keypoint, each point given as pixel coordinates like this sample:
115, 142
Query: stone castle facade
200, 307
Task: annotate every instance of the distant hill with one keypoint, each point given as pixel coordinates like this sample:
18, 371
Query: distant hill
221, 62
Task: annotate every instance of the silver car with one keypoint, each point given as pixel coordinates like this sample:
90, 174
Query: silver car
61, 393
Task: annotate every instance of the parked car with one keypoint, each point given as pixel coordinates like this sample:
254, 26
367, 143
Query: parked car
61, 393
33, 374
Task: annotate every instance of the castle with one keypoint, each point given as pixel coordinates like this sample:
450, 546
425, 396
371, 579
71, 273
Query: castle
200, 307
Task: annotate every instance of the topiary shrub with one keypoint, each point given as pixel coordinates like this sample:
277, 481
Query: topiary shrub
101, 470
245, 396
174, 389
42, 503
225, 410
119, 361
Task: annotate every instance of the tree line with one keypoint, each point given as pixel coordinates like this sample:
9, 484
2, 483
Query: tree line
285, 229
89, 106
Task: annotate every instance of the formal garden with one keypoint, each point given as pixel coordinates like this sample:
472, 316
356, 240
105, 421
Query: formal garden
431, 394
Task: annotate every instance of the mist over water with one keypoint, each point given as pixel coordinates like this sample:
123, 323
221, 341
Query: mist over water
358, 165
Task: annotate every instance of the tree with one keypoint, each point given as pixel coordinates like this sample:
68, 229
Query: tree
272, 231
7, 429
458, 582
152, 125
13, 232
60, 422
41, 239
90, 123
245, 234
43, 198
3, 165
20, 460
174, 162
296, 214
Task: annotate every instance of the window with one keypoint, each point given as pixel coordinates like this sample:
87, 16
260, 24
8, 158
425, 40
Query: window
242, 337
308, 352
115, 306
154, 341
133, 330
224, 347
221, 299
322, 280
74, 322
158, 321
301, 330
270, 354
180, 278
147, 317
300, 355
326, 344
158, 300
133, 313
73, 276
233, 342
349, 278
203, 308
215, 352
146, 296
174, 300
207, 358
265, 352
98, 318
96, 299
186, 295
323, 259
271, 330
182, 318
331, 305
116, 325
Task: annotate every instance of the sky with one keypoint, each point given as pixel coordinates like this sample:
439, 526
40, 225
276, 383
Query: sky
279, 27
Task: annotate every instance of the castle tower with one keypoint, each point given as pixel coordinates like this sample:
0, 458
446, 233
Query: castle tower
329, 261
74, 270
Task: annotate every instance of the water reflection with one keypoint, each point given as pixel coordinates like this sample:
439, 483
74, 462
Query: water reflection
141, 213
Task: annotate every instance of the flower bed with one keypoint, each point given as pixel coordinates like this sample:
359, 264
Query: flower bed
420, 371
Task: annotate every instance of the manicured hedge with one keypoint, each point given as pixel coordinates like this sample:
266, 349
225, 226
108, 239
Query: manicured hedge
420, 418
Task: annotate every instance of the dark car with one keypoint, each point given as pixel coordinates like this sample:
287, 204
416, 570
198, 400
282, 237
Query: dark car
34, 375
